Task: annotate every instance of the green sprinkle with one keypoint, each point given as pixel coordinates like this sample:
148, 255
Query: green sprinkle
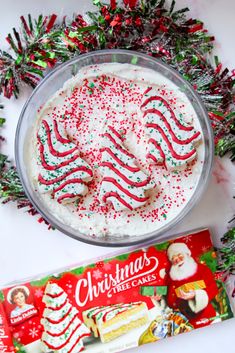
134, 60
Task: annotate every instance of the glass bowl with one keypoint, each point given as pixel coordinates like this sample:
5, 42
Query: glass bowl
55, 81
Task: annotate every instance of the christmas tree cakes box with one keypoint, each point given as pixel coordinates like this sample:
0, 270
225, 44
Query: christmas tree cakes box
113, 304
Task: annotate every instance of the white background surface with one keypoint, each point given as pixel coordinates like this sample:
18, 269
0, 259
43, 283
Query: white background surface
28, 248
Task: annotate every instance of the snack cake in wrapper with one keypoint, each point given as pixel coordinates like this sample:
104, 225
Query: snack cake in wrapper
115, 303
190, 287
153, 290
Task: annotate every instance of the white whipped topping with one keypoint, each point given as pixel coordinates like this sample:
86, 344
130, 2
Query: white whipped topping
173, 189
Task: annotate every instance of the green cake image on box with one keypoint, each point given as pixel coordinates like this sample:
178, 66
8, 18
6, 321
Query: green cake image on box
150, 291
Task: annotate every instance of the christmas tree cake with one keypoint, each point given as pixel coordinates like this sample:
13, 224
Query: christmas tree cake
124, 184
110, 322
63, 173
63, 330
171, 140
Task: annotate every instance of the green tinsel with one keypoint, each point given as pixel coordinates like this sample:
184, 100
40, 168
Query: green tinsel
226, 255
11, 189
150, 26
10, 185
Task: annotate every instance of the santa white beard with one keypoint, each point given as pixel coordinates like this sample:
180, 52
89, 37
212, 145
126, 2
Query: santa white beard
187, 269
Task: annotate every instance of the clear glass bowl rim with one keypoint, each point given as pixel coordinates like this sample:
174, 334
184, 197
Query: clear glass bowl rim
112, 241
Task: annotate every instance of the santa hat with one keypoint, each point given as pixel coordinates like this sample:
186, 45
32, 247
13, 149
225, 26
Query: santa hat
177, 248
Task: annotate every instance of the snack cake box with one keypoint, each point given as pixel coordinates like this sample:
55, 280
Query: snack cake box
140, 296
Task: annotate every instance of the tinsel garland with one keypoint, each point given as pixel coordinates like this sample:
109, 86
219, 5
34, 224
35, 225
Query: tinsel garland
226, 258
10, 185
148, 26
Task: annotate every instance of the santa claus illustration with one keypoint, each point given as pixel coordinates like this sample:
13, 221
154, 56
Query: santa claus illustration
191, 286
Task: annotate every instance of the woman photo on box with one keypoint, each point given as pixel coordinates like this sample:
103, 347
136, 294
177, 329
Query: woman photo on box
18, 296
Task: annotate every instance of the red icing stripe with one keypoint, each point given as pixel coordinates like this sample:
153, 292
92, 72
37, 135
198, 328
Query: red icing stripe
174, 137
119, 313
54, 295
147, 90
66, 196
57, 180
130, 182
169, 145
68, 339
128, 193
50, 145
182, 127
149, 155
109, 311
114, 307
64, 330
67, 182
93, 316
57, 134
115, 132
118, 197
119, 147
58, 307
53, 167
123, 309
108, 150
82, 348
158, 147
61, 319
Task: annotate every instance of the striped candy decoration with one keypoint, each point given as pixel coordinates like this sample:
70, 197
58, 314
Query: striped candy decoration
63, 173
171, 141
124, 184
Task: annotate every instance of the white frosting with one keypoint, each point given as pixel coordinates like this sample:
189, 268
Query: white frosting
164, 131
102, 320
53, 288
58, 314
173, 191
58, 152
62, 336
109, 312
115, 170
56, 328
126, 321
55, 302
59, 299
56, 342
59, 340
